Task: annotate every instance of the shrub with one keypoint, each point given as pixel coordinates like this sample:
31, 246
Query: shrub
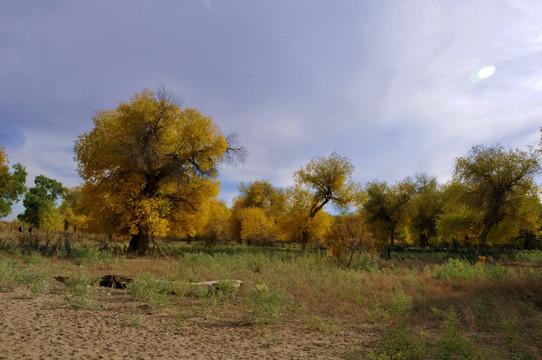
456, 269
79, 288
400, 344
8, 273
264, 306
452, 344
146, 287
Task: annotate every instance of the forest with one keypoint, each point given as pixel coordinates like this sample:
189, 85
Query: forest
416, 269
149, 171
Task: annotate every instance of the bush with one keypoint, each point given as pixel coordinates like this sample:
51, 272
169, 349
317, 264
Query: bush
264, 306
146, 287
400, 344
79, 288
455, 269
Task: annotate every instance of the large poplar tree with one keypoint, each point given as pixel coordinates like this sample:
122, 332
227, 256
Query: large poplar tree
499, 182
325, 180
149, 165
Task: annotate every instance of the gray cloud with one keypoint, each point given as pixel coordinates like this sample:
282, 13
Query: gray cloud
384, 83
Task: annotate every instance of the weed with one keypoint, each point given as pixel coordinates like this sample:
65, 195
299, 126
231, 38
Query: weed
456, 269
207, 307
400, 344
318, 323
514, 338
8, 273
133, 320
400, 305
146, 287
36, 275
264, 306
78, 302
39, 287
179, 318
79, 289
483, 307
452, 344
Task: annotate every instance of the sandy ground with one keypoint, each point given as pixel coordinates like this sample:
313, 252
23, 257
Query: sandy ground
47, 327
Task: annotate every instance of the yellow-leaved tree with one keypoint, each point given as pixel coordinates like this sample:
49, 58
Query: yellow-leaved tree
260, 195
148, 167
322, 181
214, 223
296, 223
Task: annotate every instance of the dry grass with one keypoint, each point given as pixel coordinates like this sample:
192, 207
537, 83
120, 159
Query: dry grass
487, 304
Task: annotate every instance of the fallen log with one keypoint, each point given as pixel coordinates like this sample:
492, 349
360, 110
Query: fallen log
115, 281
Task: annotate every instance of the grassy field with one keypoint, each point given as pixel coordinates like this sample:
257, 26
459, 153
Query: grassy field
419, 305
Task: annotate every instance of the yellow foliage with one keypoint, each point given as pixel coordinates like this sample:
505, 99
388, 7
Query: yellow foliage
297, 220
149, 166
214, 222
256, 226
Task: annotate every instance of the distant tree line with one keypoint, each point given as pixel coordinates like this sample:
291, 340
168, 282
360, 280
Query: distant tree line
150, 170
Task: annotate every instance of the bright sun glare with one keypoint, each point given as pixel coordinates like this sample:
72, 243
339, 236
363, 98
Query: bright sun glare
486, 72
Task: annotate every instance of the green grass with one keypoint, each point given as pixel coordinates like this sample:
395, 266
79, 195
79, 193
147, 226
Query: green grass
425, 308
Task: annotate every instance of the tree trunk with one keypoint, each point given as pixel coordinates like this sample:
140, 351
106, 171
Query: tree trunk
392, 236
139, 243
482, 240
304, 240
423, 241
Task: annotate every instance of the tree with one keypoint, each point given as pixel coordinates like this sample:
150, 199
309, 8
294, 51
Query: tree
11, 184
425, 207
459, 223
326, 180
498, 181
214, 229
256, 227
296, 224
149, 166
72, 210
385, 207
258, 194
348, 233
40, 200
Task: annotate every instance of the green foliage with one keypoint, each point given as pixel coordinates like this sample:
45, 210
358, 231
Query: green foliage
39, 203
320, 324
400, 305
133, 320
457, 269
12, 185
36, 275
400, 344
86, 255
79, 285
452, 344
8, 273
264, 305
425, 207
501, 188
385, 208
146, 287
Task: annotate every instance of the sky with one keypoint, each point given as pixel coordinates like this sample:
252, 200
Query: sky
398, 87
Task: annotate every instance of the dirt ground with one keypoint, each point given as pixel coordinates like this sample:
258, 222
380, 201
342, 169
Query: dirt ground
118, 327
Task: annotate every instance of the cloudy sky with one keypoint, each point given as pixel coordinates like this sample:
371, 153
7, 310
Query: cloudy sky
399, 87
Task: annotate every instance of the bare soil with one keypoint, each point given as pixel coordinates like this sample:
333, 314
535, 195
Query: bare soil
118, 327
